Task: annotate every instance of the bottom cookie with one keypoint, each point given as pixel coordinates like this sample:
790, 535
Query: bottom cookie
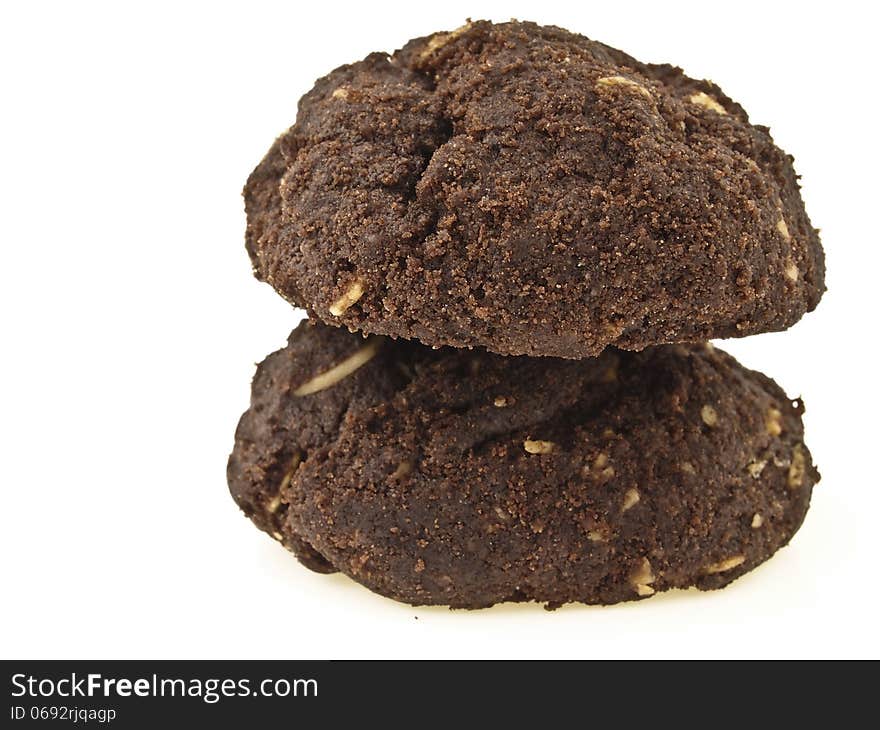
463, 478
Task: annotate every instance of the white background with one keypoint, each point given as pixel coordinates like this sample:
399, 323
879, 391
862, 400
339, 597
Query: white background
131, 325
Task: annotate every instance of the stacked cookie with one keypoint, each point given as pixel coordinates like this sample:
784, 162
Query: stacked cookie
513, 244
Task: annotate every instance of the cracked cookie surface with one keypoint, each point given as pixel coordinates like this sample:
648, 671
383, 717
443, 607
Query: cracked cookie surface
464, 478
527, 190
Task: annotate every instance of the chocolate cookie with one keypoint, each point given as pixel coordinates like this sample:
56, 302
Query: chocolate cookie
465, 478
528, 190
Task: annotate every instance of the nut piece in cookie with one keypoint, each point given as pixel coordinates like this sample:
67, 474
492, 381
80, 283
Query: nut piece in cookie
349, 297
342, 370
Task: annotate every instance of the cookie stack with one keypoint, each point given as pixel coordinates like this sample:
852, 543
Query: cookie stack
513, 244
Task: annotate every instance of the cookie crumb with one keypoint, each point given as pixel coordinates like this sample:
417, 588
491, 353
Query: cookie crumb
609, 81
707, 102
341, 371
757, 521
500, 402
538, 447
630, 499
709, 416
725, 565
354, 292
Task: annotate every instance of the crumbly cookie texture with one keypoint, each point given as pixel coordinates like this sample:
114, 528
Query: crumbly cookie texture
531, 191
406, 474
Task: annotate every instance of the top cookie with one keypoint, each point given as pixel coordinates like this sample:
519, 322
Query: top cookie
528, 190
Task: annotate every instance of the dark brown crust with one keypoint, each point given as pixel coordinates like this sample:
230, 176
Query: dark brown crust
502, 187
413, 481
